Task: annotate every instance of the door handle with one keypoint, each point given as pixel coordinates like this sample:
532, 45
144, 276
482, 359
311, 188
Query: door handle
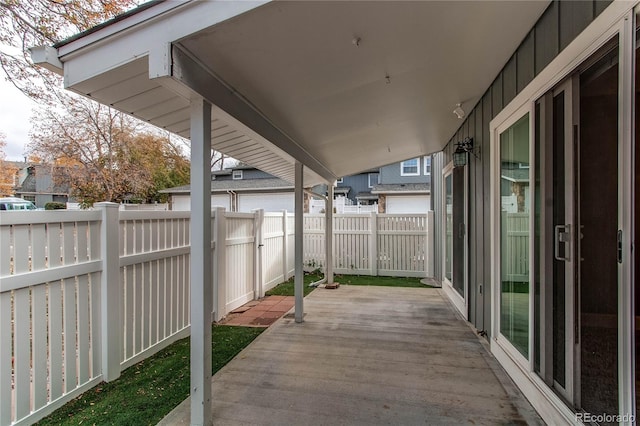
562, 235
461, 230
619, 253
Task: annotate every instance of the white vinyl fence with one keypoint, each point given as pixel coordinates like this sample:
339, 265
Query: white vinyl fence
85, 294
373, 244
515, 247
61, 292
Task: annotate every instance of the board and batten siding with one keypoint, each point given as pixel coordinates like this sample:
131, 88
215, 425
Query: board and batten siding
561, 22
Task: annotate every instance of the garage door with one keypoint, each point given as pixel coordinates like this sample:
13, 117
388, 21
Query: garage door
183, 202
268, 202
407, 204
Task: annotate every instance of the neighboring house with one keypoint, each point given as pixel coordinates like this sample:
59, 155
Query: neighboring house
404, 187
240, 189
352, 194
357, 188
35, 183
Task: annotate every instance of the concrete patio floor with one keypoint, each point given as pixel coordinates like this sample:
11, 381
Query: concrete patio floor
365, 356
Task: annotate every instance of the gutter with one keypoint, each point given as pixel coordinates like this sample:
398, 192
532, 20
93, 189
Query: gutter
47, 57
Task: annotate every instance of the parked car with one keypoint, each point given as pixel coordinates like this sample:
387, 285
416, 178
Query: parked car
13, 203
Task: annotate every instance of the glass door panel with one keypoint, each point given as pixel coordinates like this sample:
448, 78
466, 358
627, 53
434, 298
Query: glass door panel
597, 217
514, 234
459, 230
448, 226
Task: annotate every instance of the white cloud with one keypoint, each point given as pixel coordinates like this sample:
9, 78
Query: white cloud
15, 119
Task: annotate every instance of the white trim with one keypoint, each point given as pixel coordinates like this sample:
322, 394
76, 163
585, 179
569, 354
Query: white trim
369, 179
427, 162
417, 173
458, 300
548, 405
626, 205
237, 175
495, 217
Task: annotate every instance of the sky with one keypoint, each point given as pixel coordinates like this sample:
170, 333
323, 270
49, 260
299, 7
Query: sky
15, 119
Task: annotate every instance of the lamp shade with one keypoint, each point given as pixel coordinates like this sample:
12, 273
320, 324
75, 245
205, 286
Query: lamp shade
460, 157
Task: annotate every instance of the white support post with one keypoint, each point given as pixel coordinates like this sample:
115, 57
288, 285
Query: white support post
430, 246
201, 285
328, 236
373, 244
110, 292
285, 247
258, 230
299, 228
220, 264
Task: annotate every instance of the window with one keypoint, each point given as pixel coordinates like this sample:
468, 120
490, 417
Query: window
373, 179
410, 167
427, 165
237, 174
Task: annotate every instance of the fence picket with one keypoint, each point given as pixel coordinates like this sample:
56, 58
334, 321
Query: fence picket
55, 340
39, 344
83, 329
6, 356
22, 343
69, 329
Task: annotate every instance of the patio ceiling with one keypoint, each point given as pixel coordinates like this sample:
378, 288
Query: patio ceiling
339, 86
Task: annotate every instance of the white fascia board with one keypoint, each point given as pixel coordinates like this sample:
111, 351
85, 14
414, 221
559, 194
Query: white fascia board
416, 192
132, 38
232, 108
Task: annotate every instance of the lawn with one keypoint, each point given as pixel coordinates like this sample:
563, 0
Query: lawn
146, 392
379, 281
286, 288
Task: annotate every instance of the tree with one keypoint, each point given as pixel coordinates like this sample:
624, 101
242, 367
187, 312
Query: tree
106, 155
7, 171
29, 23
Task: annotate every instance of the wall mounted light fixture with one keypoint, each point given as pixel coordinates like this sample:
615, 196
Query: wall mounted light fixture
461, 154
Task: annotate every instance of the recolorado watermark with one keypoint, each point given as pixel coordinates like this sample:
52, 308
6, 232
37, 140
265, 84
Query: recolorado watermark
605, 418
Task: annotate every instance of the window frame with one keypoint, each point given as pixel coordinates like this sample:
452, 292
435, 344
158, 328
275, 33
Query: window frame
427, 163
237, 175
417, 166
495, 171
369, 179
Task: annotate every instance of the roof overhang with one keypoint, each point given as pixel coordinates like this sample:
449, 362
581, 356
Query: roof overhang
338, 86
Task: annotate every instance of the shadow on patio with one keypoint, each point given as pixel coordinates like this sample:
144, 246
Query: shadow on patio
366, 355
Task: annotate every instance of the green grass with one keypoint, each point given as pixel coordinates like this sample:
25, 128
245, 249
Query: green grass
286, 288
379, 281
149, 390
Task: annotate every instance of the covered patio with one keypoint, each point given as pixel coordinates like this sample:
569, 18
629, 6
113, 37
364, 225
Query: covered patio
306, 91
364, 356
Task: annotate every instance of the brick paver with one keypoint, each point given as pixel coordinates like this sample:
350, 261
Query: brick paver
261, 313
